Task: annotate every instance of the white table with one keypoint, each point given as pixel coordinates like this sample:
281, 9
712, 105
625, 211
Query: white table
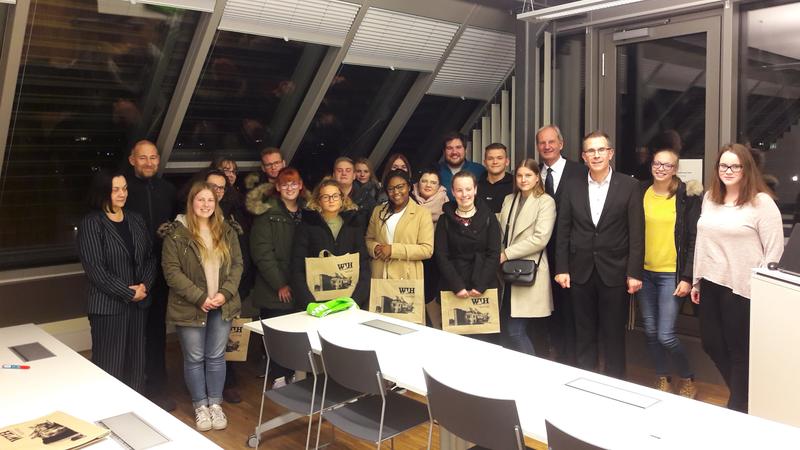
70, 383
538, 386
774, 308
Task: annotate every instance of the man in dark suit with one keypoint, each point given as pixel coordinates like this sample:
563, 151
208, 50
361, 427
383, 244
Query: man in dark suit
154, 199
558, 174
600, 254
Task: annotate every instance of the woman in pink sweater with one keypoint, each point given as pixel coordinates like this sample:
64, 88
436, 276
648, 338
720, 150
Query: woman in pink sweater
740, 228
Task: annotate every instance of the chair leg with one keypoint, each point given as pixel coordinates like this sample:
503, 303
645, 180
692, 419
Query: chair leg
261, 410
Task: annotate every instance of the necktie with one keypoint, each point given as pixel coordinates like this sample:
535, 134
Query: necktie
548, 182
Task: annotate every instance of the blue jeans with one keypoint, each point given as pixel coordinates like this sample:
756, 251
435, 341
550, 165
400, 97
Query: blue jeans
204, 358
514, 330
659, 312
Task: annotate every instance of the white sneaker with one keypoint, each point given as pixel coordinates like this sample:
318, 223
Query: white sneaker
218, 419
279, 383
202, 418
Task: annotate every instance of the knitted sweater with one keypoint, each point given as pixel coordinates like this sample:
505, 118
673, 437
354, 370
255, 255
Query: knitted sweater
732, 240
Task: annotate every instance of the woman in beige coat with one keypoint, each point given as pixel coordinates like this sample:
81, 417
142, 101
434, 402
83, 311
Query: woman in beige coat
528, 216
400, 232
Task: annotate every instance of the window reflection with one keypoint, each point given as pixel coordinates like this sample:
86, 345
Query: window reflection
90, 84
248, 94
351, 118
769, 99
421, 138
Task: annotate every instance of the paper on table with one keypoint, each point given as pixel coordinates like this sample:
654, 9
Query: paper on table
613, 393
55, 431
134, 432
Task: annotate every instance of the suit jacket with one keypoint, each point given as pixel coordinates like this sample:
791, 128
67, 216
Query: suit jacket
109, 266
530, 233
574, 172
413, 243
615, 247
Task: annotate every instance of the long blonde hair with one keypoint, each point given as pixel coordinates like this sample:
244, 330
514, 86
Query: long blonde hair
215, 224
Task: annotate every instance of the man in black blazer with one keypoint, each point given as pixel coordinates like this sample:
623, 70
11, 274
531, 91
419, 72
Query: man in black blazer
558, 173
600, 254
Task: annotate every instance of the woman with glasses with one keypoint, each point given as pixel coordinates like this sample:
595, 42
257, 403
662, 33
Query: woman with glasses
671, 210
740, 228
400, 232
429, 193
330, 222
527, 218
467, 243
278, 209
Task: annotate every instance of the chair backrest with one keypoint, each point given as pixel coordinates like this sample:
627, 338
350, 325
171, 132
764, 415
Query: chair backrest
289, 349
558, 439
353, 369
487, 422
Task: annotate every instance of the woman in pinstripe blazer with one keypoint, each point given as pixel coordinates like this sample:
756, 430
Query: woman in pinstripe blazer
116, 252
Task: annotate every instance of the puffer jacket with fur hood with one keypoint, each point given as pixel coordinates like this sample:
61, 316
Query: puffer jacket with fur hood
271, 238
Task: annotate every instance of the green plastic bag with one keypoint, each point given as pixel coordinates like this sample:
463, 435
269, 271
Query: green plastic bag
330, 307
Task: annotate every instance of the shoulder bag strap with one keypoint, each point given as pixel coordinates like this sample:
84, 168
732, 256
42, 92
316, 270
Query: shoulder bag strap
508, 220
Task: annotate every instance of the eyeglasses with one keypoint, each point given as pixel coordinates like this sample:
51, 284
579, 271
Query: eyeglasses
229, 170
659, 165
597, 151
397, 188
330, 198
734, 168
400, 167
291, 185
217, 187
272, 165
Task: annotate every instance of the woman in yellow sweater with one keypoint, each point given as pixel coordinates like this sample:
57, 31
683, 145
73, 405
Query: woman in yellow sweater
671, 210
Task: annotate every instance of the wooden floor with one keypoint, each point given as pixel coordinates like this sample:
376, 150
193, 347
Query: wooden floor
242, 417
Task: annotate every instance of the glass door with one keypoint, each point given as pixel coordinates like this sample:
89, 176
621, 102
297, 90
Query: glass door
661, 83
660, 86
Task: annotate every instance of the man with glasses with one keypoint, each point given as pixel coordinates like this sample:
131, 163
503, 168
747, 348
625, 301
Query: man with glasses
271, 163
557, 174
600, 254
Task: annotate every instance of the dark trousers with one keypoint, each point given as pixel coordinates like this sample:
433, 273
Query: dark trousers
725, 334
156, 334
561, 325
602, 308
118, 345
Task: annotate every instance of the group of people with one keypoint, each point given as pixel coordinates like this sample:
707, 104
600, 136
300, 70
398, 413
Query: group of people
597, 237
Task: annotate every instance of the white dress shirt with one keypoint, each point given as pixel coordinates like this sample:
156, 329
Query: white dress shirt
597, 195
558, 170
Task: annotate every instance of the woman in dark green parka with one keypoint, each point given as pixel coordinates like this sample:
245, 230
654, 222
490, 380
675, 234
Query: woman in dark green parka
277, 209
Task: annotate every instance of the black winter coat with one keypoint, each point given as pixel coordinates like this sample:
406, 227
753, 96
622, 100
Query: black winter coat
467, 257
312, 236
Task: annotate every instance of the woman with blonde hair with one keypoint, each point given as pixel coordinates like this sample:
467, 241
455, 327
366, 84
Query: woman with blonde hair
527, 218
331, 222
202, 264
740, 228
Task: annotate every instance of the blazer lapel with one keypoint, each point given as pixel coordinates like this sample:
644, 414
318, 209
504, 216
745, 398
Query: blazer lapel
525, 218
115, 236
407, 217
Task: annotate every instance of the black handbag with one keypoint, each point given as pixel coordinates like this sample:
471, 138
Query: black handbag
521, 272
